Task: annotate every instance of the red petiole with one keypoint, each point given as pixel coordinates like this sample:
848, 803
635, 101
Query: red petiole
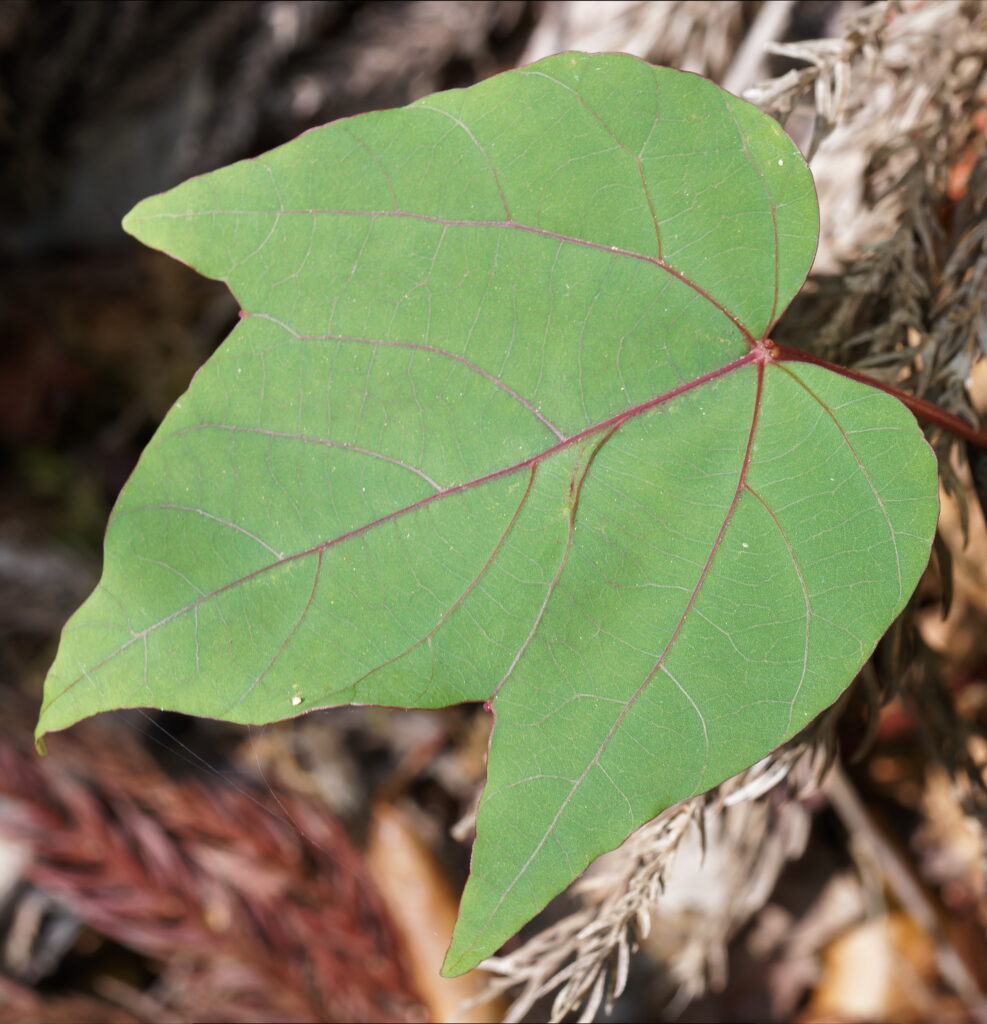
926, 412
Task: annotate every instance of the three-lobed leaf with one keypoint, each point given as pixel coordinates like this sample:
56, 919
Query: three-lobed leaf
501, 422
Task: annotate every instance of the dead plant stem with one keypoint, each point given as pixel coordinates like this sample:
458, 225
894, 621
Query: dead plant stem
900, 881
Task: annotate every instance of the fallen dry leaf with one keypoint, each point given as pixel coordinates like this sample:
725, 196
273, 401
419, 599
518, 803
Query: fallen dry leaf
422, 907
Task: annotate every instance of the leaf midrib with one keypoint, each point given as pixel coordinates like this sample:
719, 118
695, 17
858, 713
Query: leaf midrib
741, 486
606, 427
502, 225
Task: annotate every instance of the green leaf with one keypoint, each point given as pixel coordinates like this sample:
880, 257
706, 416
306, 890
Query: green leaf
501, 422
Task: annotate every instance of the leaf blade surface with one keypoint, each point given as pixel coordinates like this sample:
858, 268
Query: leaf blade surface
496, 423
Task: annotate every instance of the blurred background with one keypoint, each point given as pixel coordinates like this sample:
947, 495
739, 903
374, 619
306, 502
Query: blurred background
155, 868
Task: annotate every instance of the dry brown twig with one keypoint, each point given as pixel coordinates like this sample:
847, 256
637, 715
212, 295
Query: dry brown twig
899, 880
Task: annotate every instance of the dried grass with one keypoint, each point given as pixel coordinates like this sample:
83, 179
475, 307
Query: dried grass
256, 907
